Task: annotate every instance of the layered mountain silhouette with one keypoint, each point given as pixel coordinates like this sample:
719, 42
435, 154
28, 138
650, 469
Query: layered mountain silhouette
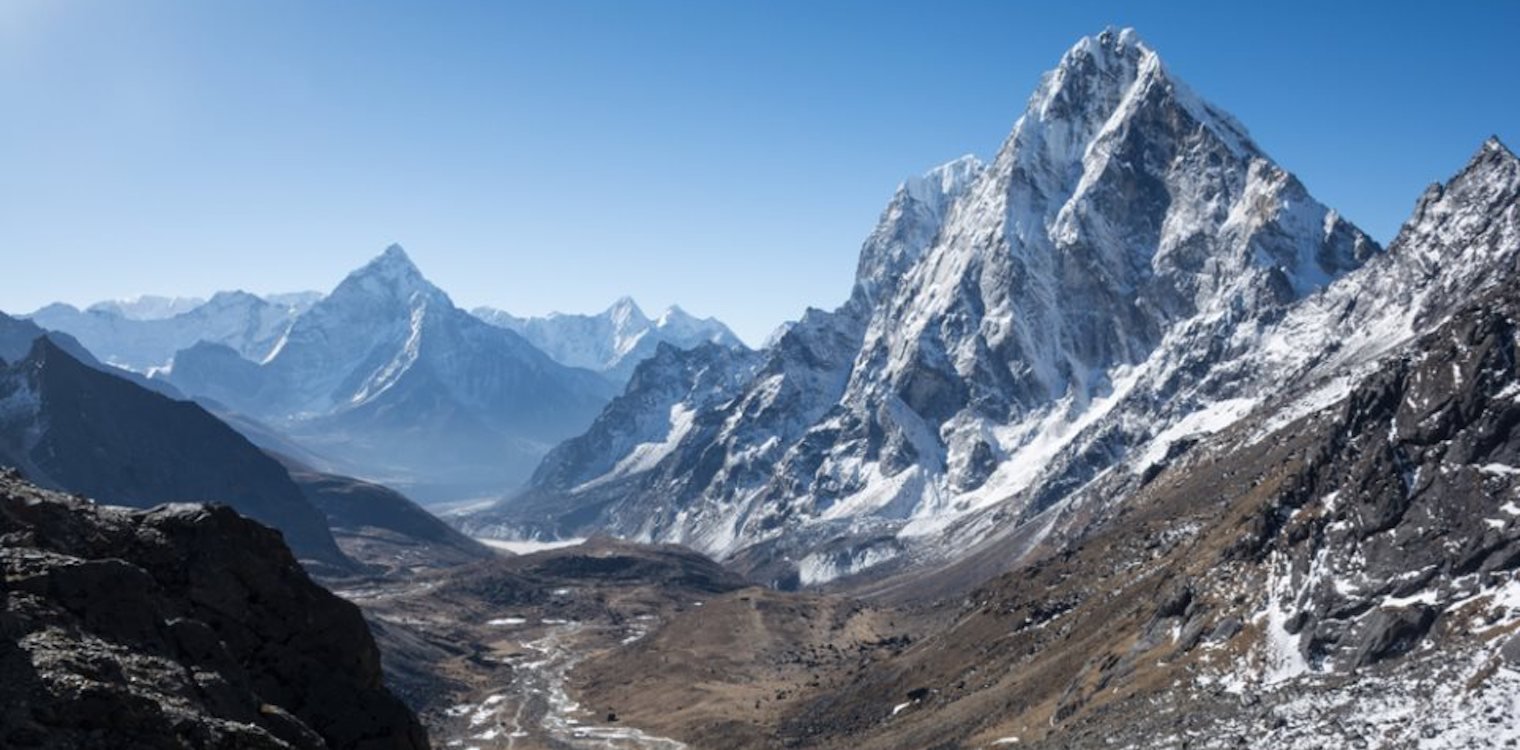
387, 379
70, 426
616, 340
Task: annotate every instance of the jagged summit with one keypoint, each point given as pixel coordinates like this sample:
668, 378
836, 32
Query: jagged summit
1114, 51
1449, 213
1492, 156
949, 179
394, 253
614, 341
1101, 83
1493, 143
1015, 328
393, 263
625, 313
393, 270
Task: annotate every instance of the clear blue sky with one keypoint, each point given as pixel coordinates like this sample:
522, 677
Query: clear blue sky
725, 155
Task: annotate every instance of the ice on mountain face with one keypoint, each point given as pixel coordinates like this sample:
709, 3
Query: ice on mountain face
1121, 209
295, 302
907, 228
1130, 273
745, 424
776, 335
147, 307
144, 337
386, 378
644, 456
615, 341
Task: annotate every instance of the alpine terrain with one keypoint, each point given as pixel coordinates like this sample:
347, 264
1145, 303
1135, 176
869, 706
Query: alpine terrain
388, 380
141, 335
614, 341
1119, 439
1139, 446
1113, 281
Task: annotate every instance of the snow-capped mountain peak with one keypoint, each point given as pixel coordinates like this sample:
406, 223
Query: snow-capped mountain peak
1014, 329
147, 306
1447, 214
907, 228
626, 315
937, 187
1099, 82
140, 335
387, 376
391, 275
614, 341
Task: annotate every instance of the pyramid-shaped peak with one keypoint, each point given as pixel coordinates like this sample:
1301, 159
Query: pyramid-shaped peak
1492, 165
1489, 181
1103, 85
1093, 78
394, 255
390, 275
393, 263
1107, 47
625, 310
1494, 147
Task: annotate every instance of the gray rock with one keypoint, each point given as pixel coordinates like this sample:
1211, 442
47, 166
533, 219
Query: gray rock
178, 626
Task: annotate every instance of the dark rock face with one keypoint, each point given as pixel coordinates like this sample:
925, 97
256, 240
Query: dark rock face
1402, 508
69, 426
381, 528
179, 626
1342, 579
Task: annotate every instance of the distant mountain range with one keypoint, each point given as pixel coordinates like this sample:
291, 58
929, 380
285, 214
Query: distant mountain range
615, 341
70, 423
69, 426
145, 333
1144, 444
392, 382
384, 377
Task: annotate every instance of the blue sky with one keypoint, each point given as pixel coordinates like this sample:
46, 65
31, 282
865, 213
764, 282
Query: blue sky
727, 156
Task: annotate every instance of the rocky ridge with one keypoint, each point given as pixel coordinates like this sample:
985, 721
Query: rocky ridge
1016, 328
178, 626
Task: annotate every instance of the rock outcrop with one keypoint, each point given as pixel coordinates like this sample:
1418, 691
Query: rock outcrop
176, 627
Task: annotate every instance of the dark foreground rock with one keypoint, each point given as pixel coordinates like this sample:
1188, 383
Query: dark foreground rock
179, 626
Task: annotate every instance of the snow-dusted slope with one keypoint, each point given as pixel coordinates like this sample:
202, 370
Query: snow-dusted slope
388, 378
728, 435
614, 341
1015, 330
144, 334
147, 307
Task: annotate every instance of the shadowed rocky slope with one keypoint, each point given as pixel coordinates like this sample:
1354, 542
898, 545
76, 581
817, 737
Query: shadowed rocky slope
72, 427
175, 627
